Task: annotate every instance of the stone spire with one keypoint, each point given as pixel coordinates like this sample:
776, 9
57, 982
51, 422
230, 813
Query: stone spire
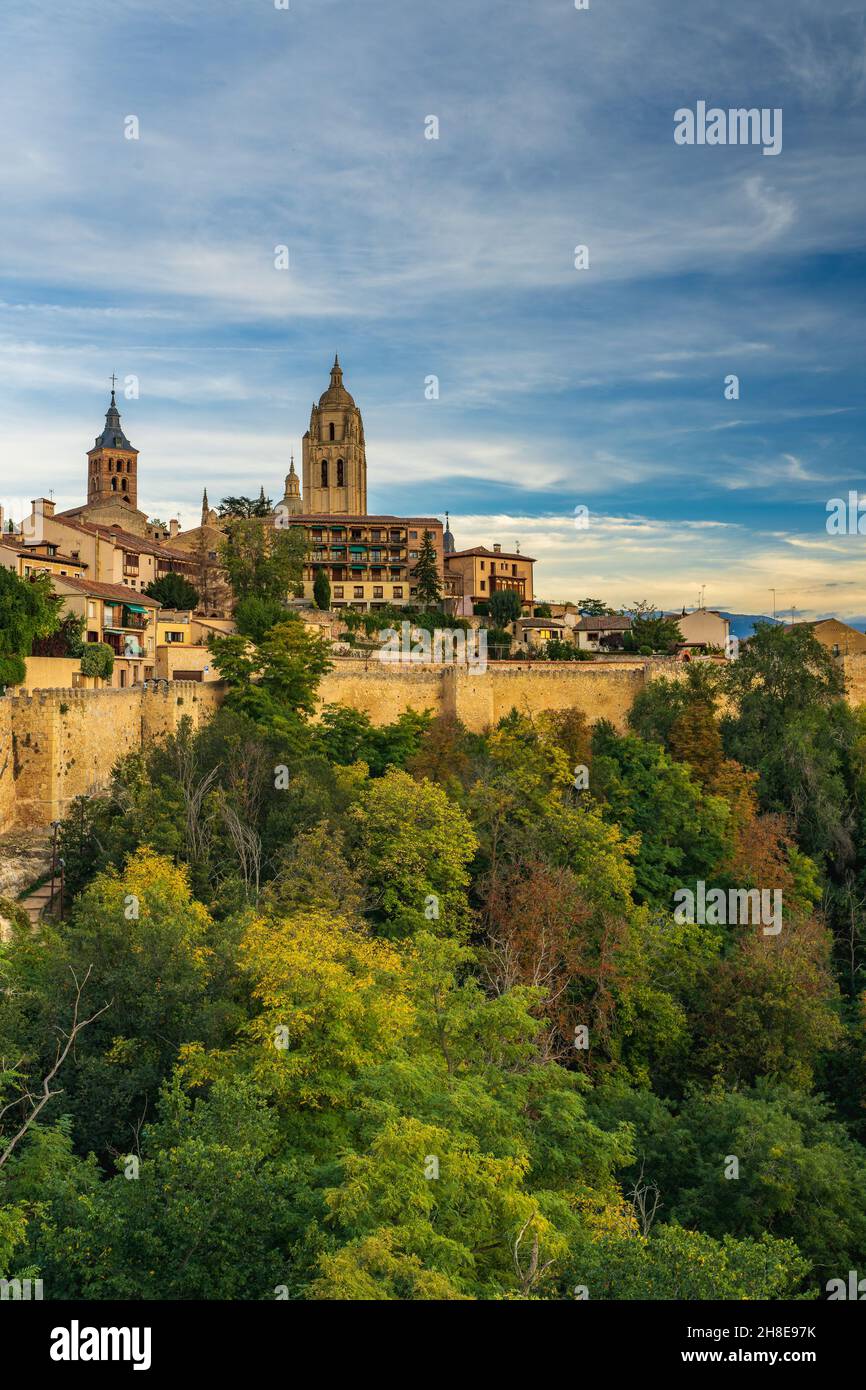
291, 501
448, 545
205, 509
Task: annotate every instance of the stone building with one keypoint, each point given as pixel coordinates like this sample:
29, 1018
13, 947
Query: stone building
474, 575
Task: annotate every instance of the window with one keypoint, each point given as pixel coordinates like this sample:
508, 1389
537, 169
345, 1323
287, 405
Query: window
359, 591
483, 586
482, 564
324, 472
513, 569
123, 484
378, 591
114, 485
413, 535
338, 591
397, 591
174, 637
340, 471
331, 431
413, 554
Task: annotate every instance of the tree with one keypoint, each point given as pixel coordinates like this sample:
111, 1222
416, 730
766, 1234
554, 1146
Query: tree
504, 606
173, 590
789, 722
593, 608
263, 561
426, 574
322, 590
255, 616
29, 610
650, 629
97, 659
246, 507
412, 845
499, 641
288, 663
209, 575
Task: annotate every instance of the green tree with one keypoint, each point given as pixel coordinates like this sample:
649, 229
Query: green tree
504, 606
322, 590
173, 590
265, 561
426, 574
255, 616
97, 659
650, 629
242, 508
28, 610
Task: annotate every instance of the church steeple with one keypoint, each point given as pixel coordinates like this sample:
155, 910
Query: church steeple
112, 463
447, 538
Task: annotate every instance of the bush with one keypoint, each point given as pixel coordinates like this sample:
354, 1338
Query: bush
497, 638
97, 659
12, 669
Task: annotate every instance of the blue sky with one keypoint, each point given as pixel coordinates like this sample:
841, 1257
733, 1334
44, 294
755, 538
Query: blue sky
603, 387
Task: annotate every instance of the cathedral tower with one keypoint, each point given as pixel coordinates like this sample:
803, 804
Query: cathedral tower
335, 458
112, 463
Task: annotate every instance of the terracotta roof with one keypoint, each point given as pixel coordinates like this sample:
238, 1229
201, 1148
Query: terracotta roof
341, 519
14, 543
614, 622
96, 589
493, 554
126, 540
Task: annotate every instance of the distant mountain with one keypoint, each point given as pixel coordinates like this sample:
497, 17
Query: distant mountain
744, 624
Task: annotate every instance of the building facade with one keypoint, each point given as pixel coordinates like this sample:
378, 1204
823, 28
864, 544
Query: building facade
476, 574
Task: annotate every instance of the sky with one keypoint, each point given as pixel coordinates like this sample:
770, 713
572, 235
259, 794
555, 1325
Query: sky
599, 388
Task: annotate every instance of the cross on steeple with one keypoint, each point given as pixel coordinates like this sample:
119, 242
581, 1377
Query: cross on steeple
113, 380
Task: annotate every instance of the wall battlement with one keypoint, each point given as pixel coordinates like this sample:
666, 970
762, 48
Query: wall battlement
59, 744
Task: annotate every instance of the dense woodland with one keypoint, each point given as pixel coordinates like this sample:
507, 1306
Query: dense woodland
308, 1028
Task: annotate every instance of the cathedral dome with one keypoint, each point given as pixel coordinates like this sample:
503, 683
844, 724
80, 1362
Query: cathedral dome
336, 394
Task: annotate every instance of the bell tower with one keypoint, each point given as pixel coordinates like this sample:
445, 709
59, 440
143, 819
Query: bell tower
335, 457
112, 463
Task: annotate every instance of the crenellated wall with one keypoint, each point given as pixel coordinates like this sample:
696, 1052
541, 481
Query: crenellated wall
57, 744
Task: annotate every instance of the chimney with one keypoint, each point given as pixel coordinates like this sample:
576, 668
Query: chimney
43, 506
173, 527
496, 548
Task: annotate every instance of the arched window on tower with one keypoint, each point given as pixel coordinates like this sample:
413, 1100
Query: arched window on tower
331, 428
123, 484
114, 485
324, 472
340, 473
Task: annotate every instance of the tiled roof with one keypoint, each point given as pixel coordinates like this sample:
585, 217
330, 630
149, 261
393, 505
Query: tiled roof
341, 519
126, 540
96, 589
615, 622
493, 554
